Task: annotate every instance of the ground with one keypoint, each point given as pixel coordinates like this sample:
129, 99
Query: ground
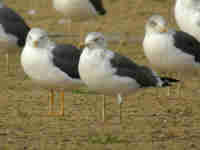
151, 120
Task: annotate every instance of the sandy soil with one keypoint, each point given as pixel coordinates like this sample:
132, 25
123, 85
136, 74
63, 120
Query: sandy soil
151, 120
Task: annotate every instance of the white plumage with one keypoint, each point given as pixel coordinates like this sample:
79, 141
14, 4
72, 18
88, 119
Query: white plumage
187, 15
79, 11
109, 73
160, 47
49, 64
75, 10
170, 50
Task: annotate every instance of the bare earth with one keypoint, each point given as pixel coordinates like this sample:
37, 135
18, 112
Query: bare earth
151, 120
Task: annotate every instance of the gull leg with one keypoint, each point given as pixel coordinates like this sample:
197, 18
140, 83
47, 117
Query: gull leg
62, 104
103, 108
69, 22
7, 62
122, 42
171, 12
82, 30
178, 90
81, 43
168, 88
158, 92
51, 102
119, 99
98, 27
168, 91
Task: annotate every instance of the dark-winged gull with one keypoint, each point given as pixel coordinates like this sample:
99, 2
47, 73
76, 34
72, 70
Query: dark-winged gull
13, 31
170, 50
110, 73
187, 15
51, 65
79, 10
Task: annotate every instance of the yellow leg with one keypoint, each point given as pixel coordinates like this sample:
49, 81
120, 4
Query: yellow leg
69, 27
168, 88
62, 104
119, 99
51, 102
7, 63
81, 43
82, 34
122, 43
120, 112
178, 90
99, 28
103, 108
171, 12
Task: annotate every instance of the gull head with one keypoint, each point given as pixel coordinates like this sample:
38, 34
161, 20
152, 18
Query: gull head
95, 40
37, 38
189, 3
156, 24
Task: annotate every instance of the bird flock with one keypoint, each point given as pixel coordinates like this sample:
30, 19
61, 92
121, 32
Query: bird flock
64, 67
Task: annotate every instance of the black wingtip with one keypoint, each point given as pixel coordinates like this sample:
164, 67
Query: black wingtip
167, 81
103, 12
98, 6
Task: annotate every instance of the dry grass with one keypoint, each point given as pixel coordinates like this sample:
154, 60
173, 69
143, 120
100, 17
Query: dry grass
149, 122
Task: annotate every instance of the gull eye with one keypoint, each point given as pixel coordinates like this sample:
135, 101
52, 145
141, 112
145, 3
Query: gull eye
96, 39
153, 23
29, 37
42, 37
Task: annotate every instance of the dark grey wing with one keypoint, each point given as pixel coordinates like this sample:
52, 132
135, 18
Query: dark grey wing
98, 5
127, 68
66, 58
187, 44
14, 24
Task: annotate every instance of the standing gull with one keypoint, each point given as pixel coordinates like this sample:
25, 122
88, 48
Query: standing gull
79, 10
170, 50
13, 31
109, 73
187, 15
50, 65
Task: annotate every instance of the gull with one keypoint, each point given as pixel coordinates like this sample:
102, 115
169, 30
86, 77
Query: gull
79, 10
170, 50
13, 31
187, 15
112, 74
51, 65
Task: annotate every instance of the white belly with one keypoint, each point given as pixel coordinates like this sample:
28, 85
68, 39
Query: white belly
76, 10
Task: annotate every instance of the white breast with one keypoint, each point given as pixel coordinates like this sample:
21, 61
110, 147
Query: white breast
39, 67
93, 69
162, 54
76, 10
96, 71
